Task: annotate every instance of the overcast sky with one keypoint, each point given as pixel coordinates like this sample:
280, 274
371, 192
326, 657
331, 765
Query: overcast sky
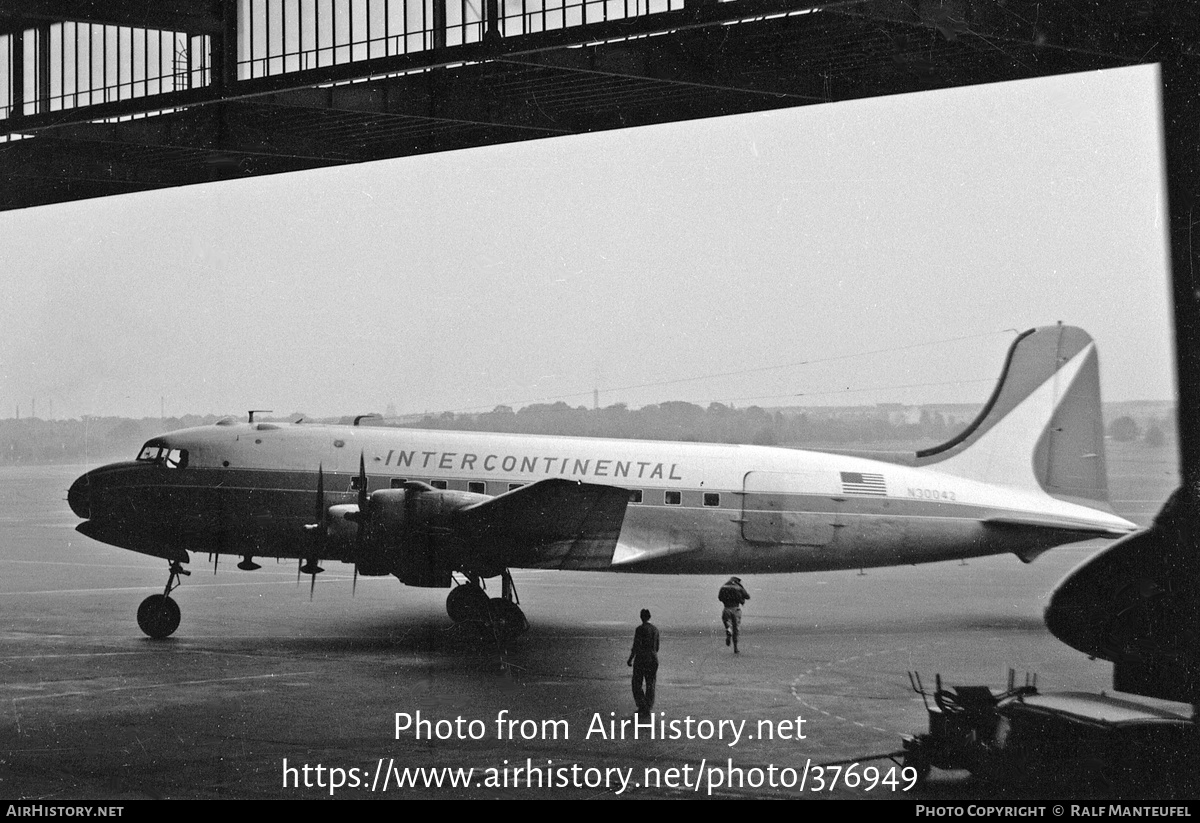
925, 228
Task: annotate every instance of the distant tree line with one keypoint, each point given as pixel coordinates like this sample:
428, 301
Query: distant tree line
718, 423
1157, 431
33, 440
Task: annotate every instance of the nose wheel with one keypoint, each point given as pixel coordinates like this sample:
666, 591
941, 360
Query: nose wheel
159, 615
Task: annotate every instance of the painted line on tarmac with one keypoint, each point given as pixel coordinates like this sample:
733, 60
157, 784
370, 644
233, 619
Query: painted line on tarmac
795, 685
141, 567
86, 692
57, 656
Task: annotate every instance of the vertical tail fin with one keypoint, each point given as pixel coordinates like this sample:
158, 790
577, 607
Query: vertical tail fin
1042, 427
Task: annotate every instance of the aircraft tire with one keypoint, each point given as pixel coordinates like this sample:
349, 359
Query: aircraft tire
918, 758
507, 618
467, 603
158, 616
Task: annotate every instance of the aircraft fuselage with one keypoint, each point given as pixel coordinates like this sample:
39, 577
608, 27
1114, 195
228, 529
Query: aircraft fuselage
249, 489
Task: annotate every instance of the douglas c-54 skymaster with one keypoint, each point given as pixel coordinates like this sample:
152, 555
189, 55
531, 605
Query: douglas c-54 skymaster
1028, 474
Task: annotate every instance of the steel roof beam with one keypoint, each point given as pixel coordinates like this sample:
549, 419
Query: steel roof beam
192, 16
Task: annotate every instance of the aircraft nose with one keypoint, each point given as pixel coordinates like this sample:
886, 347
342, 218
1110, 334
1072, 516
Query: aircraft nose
79, 497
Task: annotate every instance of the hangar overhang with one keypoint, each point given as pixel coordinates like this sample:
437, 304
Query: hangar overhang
102, 98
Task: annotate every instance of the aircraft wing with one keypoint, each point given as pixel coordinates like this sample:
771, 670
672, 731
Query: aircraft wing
550, 524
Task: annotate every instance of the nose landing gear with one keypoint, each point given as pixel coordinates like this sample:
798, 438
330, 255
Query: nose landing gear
158, 615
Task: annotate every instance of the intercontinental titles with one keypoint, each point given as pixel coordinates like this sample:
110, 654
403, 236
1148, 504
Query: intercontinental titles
532, 464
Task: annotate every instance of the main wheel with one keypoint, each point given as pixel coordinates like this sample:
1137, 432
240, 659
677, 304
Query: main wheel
158, 616
466, 603
917, 756
507, 618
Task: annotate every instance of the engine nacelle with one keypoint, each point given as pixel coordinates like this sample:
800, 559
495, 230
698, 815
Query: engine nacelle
408, 534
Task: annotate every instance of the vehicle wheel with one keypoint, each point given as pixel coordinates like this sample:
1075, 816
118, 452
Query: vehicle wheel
507, 618
466, 603
158, 616
917, 758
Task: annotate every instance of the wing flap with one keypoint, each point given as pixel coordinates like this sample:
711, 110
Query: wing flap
629, 555
550, 524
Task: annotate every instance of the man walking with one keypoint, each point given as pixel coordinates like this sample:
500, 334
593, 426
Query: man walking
732, 595
643, 657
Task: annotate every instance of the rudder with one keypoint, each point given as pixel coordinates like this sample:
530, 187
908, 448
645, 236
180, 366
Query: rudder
1042, 428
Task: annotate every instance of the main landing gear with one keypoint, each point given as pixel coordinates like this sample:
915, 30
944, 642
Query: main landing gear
469, 603
158, 616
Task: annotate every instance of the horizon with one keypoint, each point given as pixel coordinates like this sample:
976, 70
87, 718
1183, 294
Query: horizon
270, 416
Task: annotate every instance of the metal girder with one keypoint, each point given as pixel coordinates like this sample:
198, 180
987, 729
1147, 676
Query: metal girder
1181, 109
69, 162
837, 46
707, 59
212, 130
193, 16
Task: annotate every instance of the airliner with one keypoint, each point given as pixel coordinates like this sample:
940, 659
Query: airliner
453, 509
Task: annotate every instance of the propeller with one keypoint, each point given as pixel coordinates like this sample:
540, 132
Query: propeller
362, 483
360, 535
317, 529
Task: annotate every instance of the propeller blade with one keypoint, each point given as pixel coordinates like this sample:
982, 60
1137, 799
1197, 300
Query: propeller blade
319, 514
354, 585
360, 534
318, 531
362, 482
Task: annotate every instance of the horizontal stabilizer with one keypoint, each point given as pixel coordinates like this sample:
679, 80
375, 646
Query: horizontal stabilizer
1083, 529
550, 524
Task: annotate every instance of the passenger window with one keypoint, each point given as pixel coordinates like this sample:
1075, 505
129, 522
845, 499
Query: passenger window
673, 498
712, 499
355, 483
438, 484
512, 486
635, 495
477, 486
398, 482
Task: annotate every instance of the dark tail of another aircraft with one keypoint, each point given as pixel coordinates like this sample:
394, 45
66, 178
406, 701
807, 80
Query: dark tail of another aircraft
1138, 605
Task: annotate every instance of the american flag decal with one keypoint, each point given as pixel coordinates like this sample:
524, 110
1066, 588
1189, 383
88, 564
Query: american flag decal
861, 483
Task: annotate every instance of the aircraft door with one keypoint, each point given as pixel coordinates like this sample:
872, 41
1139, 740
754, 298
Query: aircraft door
788, 509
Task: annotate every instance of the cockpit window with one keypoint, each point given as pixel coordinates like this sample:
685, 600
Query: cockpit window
158, 453
150, 453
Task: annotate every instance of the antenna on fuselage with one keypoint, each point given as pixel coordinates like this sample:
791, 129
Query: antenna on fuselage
259, 411
370, 416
